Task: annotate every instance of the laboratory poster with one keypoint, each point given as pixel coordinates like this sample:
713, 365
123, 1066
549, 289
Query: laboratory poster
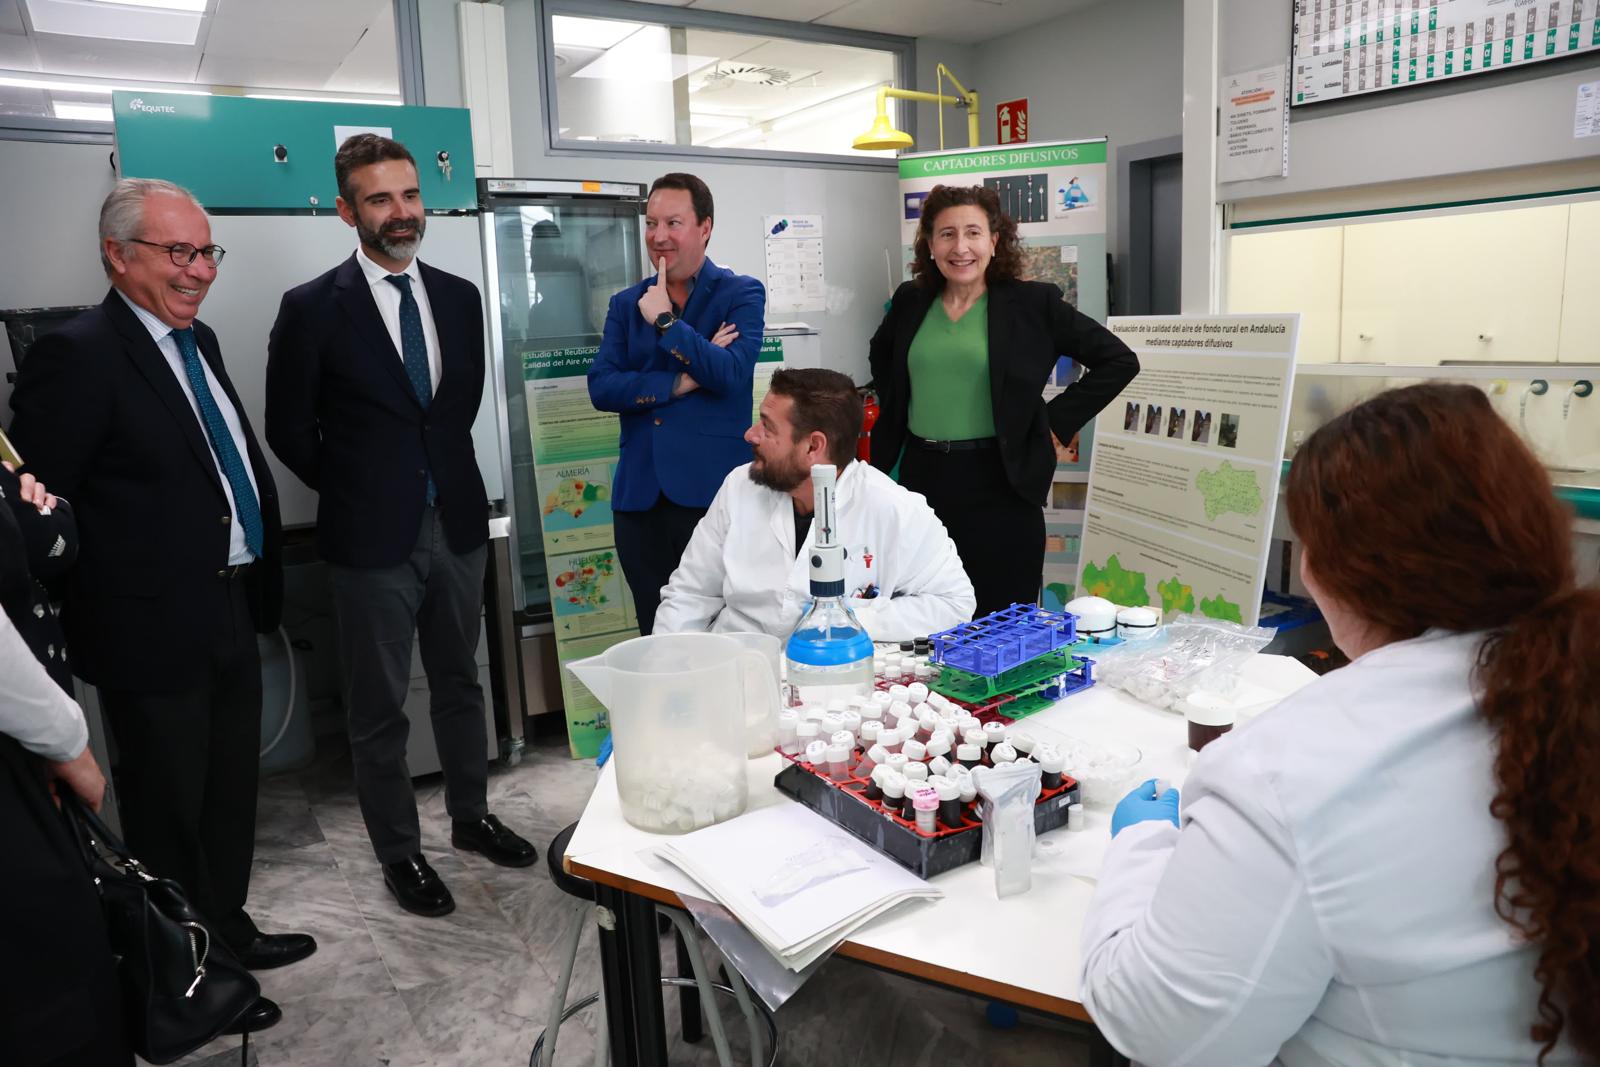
1055, 192
575, 464
1183, 484
794, 263
1254, 126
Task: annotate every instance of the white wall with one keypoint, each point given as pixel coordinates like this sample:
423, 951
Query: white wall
1114, 69
1476, 123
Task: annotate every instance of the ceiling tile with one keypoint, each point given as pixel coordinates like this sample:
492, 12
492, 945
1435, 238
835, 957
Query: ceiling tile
96, 58
372, 65
11, 17
962, 21
789, 10
16, 52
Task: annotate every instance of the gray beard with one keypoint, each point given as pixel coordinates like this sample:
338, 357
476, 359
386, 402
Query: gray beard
388, 245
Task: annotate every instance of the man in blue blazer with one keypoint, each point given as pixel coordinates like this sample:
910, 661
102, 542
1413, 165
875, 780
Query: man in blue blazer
677, 361
375, 372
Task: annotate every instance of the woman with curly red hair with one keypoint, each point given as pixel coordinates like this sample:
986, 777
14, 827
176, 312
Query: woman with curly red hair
960, 364
1400, 864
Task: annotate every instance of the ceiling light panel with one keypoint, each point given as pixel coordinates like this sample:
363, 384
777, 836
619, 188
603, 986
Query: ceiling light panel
117, 22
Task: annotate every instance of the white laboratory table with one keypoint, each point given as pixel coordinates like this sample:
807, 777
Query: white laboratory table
1022, 950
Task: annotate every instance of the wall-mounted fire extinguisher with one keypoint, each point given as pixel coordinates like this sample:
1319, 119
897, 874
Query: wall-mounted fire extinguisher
869, 413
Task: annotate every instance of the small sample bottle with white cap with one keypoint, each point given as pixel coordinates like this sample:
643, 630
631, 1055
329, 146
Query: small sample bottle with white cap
851, 721
925, 803
995, 732
1023, 742
949, 803
1075, 816
917, 692
838, 762
938, 765
817, 754
915, 772
938, 745
915, 750
870, 729
1053, 763
806, 731
870, 760
894, 791
1002, 753
890, 740
969, 755
788, 732
897, 761
874, 790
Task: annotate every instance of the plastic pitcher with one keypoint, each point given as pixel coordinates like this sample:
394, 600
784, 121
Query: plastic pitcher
760, 709
677, 704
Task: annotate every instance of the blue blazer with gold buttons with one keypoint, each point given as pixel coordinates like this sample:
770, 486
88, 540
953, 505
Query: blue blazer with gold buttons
680, 447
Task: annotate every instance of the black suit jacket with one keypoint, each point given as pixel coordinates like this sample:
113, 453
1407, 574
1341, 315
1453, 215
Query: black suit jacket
1030, 324
342, 415
101, 419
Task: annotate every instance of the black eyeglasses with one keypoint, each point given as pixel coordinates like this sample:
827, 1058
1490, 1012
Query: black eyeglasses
184, 254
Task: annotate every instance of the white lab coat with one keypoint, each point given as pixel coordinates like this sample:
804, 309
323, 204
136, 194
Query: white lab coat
1330, 898
741, 571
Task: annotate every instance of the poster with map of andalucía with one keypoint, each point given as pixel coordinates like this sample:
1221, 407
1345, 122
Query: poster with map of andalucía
1183, 482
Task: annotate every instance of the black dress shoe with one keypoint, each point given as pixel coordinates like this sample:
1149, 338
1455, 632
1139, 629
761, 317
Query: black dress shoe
417, 888
490, 838
257, 1017
276, 950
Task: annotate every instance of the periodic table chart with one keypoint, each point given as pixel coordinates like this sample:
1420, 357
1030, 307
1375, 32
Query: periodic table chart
1346, 48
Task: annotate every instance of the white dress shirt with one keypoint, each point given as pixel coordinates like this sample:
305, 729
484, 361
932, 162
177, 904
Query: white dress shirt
161, 333
1330, 897
387, 298
33, 709
743, 571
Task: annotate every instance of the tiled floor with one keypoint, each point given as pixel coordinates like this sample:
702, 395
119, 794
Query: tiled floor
472, 989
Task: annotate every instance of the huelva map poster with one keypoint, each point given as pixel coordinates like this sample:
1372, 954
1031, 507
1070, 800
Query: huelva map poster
1183, 484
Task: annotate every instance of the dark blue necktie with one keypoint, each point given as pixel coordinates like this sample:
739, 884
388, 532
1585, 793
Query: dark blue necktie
414, 350
247, 510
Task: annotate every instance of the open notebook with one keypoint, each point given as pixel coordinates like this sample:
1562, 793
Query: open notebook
799, 883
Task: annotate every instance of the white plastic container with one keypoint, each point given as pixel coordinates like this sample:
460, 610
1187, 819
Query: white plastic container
678, 725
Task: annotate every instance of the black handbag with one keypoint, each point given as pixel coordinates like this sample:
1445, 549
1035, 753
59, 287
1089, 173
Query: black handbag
181, 986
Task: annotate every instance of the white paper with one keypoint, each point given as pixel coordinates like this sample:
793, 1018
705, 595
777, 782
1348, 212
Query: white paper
794, 263
341, 134
1254, 133
1586, 116
808, 922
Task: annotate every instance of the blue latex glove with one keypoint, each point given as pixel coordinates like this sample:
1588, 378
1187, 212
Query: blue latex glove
605, 752
1142, 804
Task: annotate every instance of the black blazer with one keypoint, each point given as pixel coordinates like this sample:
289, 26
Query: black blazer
1030, 324
101, 420
342, 415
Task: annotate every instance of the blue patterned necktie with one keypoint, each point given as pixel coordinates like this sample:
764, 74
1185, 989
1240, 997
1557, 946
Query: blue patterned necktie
247, 510
414, 350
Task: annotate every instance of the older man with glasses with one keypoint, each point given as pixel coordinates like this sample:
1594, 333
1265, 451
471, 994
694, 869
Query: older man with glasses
127, 411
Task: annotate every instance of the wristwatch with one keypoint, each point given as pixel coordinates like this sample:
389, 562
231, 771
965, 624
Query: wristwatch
665, 320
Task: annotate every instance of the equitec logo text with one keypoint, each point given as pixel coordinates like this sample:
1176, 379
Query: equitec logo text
138, 104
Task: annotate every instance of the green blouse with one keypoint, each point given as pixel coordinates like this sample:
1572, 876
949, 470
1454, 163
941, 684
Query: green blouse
949, 367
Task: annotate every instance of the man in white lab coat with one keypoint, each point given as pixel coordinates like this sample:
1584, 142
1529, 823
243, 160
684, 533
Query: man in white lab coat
744, 569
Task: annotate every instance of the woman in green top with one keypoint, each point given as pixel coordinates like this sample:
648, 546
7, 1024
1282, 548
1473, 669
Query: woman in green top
960, 364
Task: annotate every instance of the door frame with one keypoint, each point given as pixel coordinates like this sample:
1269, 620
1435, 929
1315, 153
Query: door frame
1133, 288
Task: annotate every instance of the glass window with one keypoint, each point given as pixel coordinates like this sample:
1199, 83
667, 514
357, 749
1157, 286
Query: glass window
651, 83
60, 60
